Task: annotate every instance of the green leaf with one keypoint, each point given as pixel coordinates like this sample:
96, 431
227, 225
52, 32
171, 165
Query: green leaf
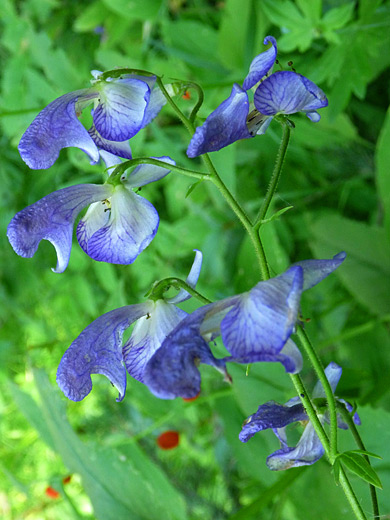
358, 465
368, 453
338, 17
119, 486
135, 9
311, 9
92, 16
276, 215
382, 158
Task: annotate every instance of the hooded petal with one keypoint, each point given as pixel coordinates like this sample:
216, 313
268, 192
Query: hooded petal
262, 64
173, 370
147, 173
271, 415
224, 126
148, 335
52, 218
191, 280
308, 450
57, 127
117, 148
314, 271
121, 109
156, 102
98, 350
131, 226
258, 326
287, 92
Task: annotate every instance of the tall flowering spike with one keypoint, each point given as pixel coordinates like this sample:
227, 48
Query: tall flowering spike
283, 92
98, 350
52, 218
121, 109
276, 416
286, 92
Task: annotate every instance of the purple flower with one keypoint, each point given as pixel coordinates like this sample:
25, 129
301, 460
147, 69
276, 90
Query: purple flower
283, 92
117, 227
122, 106
99, 350
276, 416
254, 326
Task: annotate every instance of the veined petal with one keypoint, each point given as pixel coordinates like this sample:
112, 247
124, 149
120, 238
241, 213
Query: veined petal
308, 450
287, 92
110, 160
120, 112
224, 126
262, 64
173, 370
191, 280
96, 217
258, 326
131, 227
52, 219
98, 350
117, 148
146, 173
271, 415
57, 127
314, 271
148, 335
156, 102
333, 374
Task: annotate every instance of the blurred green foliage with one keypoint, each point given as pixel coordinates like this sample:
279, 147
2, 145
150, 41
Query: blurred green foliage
337, 180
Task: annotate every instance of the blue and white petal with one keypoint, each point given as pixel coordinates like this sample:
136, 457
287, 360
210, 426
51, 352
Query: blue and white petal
117, 148
156, 102
191, 280
271, 415
131, 226
147, 173
98, 350
224, 126
52, 218
173, 370
287, 92
120, 112
259, 325
148, 334
262, 64
57, 127
333, 374
308, 450
314, 271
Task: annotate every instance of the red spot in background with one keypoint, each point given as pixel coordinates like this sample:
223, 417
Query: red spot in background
186, 95
67, 479
188, 399
168, 440
52, 493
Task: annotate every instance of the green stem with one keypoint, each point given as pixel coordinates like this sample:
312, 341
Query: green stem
275, 176
186, 122
319, 369
359, 442
163, 285
351, 497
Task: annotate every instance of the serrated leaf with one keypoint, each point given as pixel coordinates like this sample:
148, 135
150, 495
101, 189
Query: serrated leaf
338, 16
311, 9
358, 465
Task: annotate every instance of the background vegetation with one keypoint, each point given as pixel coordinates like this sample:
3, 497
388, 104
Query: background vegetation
336, 177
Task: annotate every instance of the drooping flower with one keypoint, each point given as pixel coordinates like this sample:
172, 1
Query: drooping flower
122, 106
99, 350
283, 92
255, 326
277, 416
117, 227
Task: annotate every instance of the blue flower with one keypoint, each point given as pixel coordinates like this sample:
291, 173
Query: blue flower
283, 92
117, 227
99, 350
254, 326
276, 416
122, 107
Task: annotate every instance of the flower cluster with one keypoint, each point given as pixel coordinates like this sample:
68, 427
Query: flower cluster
277, 416
283, 92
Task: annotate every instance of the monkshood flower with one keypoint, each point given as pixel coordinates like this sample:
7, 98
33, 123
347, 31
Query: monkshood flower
122, 106
117, 227
283, 92
255, 326
277, 416
99, 350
